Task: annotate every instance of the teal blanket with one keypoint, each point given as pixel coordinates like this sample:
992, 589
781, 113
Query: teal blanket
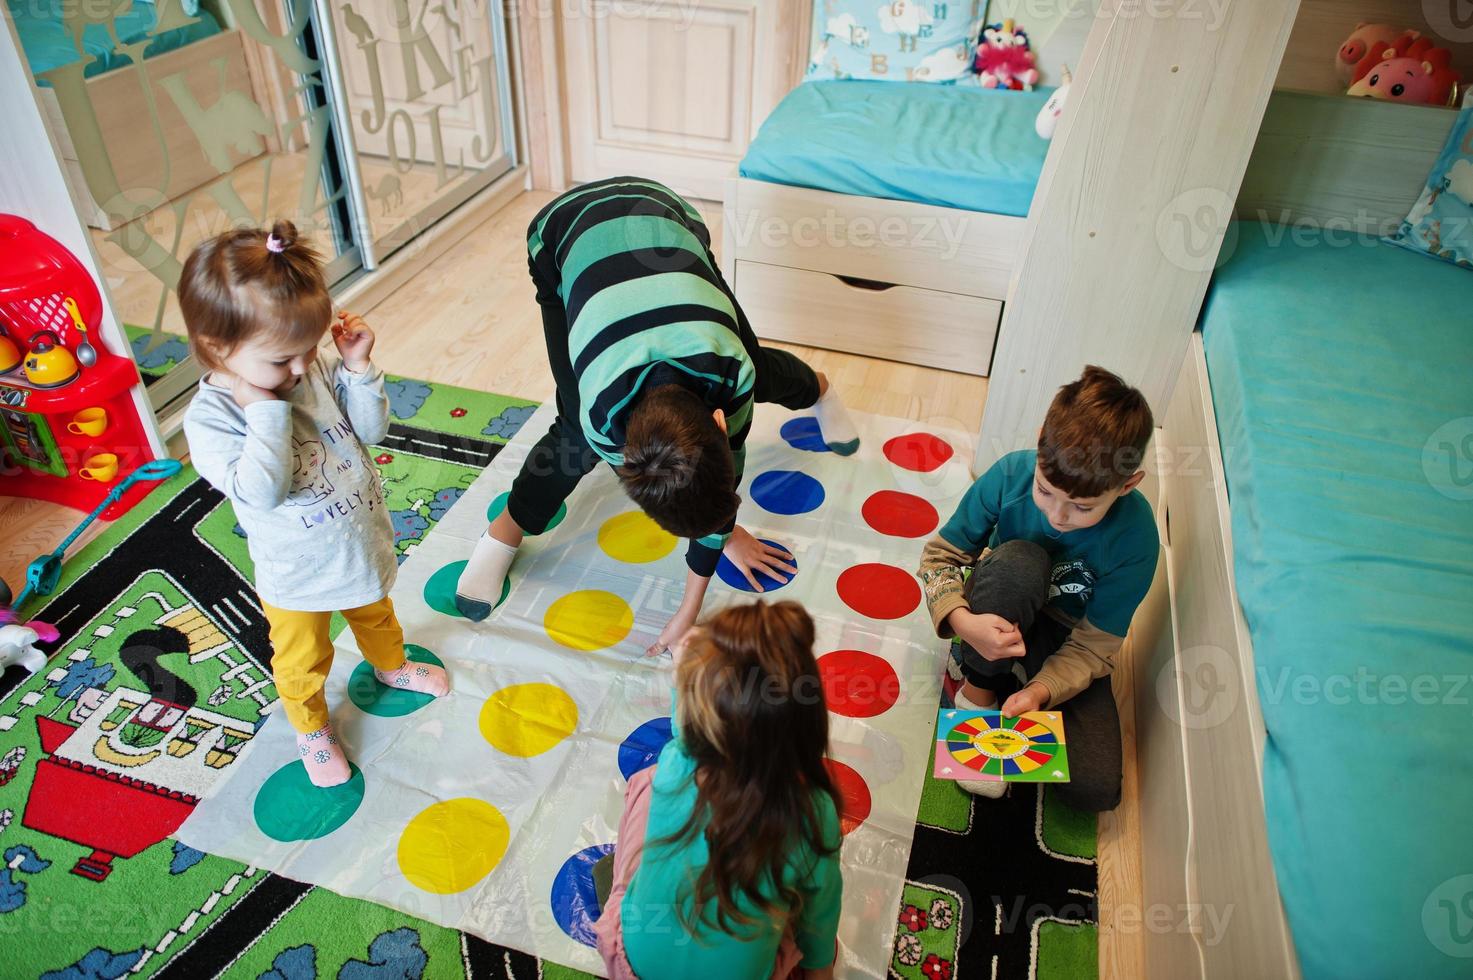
959, 146
1342, 377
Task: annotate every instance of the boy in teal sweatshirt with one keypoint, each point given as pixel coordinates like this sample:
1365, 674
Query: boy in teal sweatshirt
1062, 549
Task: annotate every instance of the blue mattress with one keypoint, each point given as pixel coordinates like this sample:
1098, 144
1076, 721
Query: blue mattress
1337, 374
954, 145
49, 45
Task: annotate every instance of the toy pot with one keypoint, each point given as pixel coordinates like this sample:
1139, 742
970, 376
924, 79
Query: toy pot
101, 467
49, 364
88, 422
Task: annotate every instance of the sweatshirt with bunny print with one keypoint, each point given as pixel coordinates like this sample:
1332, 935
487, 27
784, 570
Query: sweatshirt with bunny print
303, 486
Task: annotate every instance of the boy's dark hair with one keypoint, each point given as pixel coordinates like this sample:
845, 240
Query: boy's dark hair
677, 464
1094, 435
233, 286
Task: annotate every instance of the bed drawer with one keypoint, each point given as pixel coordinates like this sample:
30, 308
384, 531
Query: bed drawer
921, 245
899, 323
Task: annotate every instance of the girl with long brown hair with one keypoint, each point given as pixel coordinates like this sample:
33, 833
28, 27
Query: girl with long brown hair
727, 862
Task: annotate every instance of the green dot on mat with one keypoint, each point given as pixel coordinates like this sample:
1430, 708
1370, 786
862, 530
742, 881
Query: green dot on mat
440, 589
499, 504
288, 807
366, 692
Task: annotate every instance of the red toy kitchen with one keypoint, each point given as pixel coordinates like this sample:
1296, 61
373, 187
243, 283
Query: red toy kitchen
70, 429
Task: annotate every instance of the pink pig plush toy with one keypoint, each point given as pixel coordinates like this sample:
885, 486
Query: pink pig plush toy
1365, 38
1411, 69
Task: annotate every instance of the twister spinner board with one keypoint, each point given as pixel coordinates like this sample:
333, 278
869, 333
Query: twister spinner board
984, 745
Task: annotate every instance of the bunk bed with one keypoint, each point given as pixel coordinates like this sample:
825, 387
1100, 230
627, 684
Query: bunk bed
883, 218
1300, 740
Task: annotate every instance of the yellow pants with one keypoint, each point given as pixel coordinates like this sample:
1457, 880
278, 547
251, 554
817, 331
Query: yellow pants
302, 654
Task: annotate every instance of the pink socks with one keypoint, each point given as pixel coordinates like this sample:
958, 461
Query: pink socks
323, 756
322, 753
417, 677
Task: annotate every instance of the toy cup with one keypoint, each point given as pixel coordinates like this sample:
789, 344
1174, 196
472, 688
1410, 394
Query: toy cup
88, 422
101, 467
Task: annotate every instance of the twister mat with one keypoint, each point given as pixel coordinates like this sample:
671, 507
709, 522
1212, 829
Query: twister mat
486, 810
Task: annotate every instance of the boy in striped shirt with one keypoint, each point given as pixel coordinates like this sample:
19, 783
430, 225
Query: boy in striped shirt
657, 371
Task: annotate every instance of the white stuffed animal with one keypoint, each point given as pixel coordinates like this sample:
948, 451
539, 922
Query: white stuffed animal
18, 646
1048, 116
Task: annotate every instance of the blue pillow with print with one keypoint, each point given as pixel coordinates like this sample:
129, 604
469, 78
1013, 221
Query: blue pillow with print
899, 40
1441, 222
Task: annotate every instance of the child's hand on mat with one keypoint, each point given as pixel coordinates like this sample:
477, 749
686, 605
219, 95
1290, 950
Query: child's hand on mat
1033, 697
992, 636
674, 631
751, 556
354, 339
248, 394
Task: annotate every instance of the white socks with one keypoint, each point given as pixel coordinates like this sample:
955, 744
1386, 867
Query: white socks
835, 424
992, 789
479, 588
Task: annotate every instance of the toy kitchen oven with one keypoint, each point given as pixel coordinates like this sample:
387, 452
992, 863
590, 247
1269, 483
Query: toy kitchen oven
70, 429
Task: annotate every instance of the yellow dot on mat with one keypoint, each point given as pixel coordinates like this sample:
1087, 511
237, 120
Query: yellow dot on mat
635, 538
449, 846
588, 620
528, 719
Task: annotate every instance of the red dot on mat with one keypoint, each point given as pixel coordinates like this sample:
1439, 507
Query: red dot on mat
857, 684
903, 515
853, 794
879, 591
919, 451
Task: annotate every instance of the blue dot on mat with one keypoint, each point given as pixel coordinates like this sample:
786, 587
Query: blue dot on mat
642, 747
802, 433
575, 904
729, 574
787, 492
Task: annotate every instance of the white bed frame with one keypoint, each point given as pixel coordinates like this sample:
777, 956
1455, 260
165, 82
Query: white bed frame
916, 283
1200, 731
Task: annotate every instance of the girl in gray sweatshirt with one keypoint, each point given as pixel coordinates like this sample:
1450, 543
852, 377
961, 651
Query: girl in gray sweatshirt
281, 432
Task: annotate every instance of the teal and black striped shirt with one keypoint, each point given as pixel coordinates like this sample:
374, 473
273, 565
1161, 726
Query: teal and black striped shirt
645, 307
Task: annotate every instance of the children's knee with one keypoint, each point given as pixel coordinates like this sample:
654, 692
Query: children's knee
1014, 572
1024, 560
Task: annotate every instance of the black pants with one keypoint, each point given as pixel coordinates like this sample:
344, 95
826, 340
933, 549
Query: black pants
1012, 581
562, 457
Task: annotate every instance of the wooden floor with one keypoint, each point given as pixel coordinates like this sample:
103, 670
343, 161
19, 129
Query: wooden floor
470, 320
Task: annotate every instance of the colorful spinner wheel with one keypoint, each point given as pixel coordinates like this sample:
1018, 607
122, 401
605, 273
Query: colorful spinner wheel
1001, 747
